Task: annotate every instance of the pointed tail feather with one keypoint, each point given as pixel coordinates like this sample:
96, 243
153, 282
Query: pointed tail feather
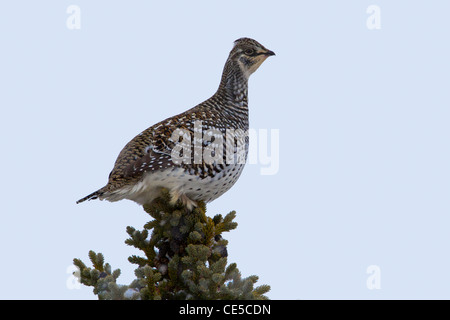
92, 196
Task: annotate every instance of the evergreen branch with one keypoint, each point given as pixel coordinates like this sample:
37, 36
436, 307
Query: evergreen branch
184, 257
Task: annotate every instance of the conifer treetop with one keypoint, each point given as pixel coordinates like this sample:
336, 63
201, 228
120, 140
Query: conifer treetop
184, 256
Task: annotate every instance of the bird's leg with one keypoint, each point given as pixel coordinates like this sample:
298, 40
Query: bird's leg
185, 200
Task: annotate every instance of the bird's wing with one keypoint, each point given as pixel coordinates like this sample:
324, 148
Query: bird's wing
154, 149
151, 150
152, 160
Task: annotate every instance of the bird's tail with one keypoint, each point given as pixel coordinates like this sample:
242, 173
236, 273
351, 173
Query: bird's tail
92, 196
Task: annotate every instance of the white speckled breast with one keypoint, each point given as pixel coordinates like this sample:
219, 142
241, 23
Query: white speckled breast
178, 181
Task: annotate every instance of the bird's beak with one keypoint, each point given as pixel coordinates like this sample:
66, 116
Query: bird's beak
269, 53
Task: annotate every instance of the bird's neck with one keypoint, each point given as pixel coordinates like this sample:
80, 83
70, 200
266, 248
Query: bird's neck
234, 86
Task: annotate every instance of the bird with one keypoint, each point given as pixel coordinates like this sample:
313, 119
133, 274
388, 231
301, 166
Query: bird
197, 155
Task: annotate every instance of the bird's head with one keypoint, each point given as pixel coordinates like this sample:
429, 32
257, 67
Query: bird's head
249, 54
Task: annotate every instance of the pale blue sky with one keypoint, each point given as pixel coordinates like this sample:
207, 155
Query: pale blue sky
363, 119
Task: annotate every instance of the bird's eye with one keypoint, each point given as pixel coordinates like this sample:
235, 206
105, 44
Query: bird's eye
249, 52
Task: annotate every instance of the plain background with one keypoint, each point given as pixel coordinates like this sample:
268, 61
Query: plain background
363, 117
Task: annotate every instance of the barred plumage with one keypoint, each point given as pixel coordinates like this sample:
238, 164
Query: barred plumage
149, 161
